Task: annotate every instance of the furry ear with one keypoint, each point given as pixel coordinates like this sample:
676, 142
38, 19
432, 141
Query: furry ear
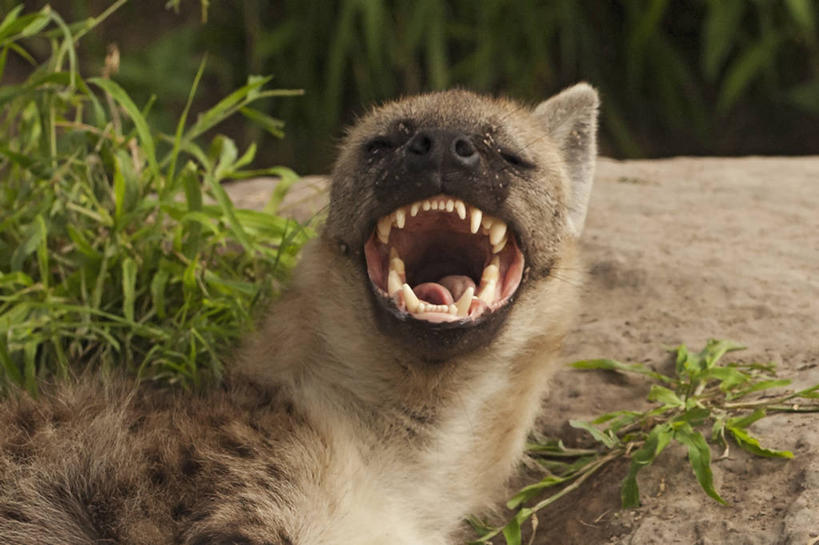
570, 118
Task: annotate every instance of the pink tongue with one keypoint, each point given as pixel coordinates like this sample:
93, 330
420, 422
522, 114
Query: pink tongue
445, 291
433, 292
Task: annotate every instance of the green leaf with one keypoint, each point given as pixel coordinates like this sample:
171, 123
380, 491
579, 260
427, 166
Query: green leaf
147, 141
699, 456
614, 365
657, 439
273, 126
715, 349
719, 34
745, 70
511, 532
759, 386
665, 396
802, 11
608, 440
750, 443
129, 271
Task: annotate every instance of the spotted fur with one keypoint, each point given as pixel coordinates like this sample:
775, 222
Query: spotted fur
327, 430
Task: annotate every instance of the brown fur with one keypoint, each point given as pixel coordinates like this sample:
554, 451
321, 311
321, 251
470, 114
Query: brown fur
328, 430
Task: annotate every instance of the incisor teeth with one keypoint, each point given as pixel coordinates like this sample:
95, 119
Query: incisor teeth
462, 306
433, 205
450, 205
410, 299
475, 220
401, 218
383, 228
459, 206
426, 205
414, 209
393, 282
496, 232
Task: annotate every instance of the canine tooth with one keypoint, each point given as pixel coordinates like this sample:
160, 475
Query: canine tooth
492, 271
384, 226
426, 205
393, 282
410, 299
475, 219
414, 209
497, 232
499, 246
400, 217
459, 206
487, 293
462, 306
450, 205
396, 263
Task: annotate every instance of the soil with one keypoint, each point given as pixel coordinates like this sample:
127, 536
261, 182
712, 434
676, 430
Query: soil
680, 251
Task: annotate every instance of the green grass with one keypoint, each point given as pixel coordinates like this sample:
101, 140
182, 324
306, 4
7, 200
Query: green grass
119, 248
703, 393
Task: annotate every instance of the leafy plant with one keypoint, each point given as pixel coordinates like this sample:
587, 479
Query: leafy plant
703, 393
118, 246
709, 77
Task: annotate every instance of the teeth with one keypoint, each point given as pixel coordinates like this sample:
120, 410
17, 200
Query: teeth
497, 232
499, 246
434, 205
426, 205
401, 218
487, 222
393, 282
384, 226
414, 209
462, 306
474, 219
396, 263
489, 281
459, 206
450, 205
410, 299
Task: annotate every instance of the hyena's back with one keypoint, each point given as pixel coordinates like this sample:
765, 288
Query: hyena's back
82, 466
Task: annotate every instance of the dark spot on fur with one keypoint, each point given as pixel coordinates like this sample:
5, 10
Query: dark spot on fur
284, 539
274, 472
190, 466
158, 476
27, 420
221, 538
231, 444
180, 511
10, 513
103, 518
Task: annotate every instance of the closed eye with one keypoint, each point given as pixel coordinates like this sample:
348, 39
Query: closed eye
377, 145
515, 160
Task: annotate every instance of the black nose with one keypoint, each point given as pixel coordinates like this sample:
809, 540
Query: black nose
432, 148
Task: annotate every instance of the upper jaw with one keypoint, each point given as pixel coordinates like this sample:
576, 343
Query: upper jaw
442, 260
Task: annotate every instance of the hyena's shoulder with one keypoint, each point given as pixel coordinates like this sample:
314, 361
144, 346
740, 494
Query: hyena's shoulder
96, 463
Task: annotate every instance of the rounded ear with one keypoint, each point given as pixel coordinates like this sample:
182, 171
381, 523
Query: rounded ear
570, 118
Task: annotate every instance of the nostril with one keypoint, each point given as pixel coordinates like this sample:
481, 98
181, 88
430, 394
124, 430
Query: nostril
420, 144
463, 148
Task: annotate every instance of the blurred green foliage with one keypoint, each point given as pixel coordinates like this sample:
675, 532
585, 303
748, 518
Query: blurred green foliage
696, 77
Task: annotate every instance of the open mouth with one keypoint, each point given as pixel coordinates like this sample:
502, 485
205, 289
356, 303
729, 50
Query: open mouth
442, 260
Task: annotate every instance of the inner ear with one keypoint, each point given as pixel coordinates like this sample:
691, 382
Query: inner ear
570, 118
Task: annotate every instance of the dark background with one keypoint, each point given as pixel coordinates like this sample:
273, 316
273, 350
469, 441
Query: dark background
715, 77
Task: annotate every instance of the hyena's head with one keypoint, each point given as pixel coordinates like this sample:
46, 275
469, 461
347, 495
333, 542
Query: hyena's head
449, 207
